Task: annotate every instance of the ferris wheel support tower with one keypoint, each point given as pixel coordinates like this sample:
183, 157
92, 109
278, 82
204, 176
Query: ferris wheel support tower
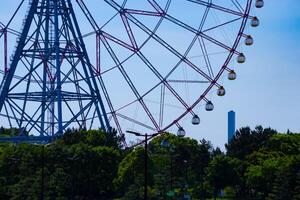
59, 88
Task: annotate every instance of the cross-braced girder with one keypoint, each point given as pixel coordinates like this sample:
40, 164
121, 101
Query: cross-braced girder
58, 89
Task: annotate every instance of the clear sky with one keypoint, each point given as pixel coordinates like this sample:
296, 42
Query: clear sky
267, 90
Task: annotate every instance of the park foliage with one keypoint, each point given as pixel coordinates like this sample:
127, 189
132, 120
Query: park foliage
257, 164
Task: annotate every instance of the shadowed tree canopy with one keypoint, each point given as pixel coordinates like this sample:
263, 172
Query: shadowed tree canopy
246, 141
258, 164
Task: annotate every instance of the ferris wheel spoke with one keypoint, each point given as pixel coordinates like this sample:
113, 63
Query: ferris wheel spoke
128, 80
160, 77
217, 7
136, 122
162, 105
114, 5
155, 5
223, 24
168, 47
206, 57
203, 20
98, 30
143, 12
237, 5
117, 41
110, 105
88, 15
122, 12
129, 31
197, 32
218, 43
159, 11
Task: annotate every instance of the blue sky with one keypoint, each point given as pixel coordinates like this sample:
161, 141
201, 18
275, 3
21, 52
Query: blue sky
267, 90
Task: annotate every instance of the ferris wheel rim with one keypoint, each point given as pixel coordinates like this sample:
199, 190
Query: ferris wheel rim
212, 81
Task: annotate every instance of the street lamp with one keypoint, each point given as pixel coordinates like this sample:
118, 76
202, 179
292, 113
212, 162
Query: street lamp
43, 170
186, 194
146, 157
165, 144
73, 160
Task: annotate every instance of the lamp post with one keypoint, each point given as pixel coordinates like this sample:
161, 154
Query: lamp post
165, 144
73, 160
146, 136
43, 172
186, 195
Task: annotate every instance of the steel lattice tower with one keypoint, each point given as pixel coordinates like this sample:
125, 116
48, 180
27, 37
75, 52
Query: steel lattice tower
58, 89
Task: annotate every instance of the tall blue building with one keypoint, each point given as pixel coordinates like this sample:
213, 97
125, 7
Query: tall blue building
231, 125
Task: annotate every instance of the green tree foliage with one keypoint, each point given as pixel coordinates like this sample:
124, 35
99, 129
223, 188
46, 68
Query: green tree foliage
221, 172
72, 168
5, 132
178, 168
130, 176
258, 164
271, 170
247, 141
296, 192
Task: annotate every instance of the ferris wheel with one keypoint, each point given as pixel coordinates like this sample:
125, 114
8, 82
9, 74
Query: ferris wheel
150, 65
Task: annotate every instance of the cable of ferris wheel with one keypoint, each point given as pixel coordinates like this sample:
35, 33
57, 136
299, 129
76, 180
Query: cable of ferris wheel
238, 5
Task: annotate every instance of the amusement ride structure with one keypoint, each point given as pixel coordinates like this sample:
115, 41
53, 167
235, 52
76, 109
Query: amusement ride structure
148, 65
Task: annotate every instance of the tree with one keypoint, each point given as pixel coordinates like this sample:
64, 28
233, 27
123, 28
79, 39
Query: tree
221, 172
130, 175
92, 137
247, 141
271, 169
78, 166
296, 192
189, 159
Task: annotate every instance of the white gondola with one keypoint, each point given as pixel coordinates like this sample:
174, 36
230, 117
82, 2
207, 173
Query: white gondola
221, 91
209, 106
259, 3
241, 58
232, 75
249, 40
255, 22
195, 120
180, 132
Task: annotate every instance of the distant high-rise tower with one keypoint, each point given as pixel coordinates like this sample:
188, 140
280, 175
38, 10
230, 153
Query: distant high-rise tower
231, 125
